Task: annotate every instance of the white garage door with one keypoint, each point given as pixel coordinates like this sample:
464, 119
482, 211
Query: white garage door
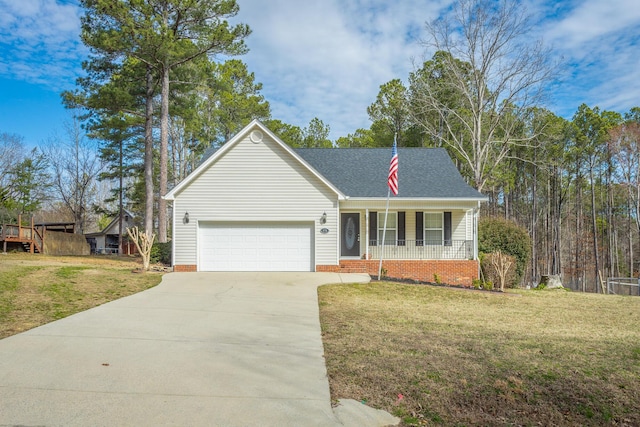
255, 247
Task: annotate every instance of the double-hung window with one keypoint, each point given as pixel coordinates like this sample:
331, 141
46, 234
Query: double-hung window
396, 229
433, 228
391, 235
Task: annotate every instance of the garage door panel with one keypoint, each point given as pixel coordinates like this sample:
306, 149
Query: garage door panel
255, 247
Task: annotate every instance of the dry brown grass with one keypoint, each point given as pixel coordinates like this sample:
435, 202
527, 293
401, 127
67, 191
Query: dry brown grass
37, 289
435, 355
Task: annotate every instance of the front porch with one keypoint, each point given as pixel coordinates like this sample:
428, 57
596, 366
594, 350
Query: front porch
427, 242
450, 272
421, 250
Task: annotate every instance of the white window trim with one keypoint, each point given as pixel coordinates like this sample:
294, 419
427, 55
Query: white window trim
425, 228
381, 229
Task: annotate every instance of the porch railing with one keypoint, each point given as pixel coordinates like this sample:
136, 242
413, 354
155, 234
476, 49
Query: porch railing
31, 235
422, 249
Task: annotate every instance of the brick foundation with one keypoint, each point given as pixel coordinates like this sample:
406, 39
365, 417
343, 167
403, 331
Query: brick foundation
452, 272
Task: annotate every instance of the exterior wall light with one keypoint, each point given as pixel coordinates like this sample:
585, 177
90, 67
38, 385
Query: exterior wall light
185, 219
323, 218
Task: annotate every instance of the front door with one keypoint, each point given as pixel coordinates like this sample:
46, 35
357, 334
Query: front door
350, 238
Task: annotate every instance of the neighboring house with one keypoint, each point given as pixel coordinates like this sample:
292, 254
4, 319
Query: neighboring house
106, 241
256, 204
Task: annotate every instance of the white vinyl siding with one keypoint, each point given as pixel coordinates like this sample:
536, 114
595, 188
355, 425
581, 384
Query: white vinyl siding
459, 230
256, 182
469, 225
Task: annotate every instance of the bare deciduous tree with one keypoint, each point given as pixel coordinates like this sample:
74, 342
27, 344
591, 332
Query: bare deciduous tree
625, 145
11, 153
491, 74
502, 264
144, 243
74, 165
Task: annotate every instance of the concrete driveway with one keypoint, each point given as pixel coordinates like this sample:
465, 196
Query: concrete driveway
218, 349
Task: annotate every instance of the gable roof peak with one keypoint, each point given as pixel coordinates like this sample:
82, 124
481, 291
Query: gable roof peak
243, 133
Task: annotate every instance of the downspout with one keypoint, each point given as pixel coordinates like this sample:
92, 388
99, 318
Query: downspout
338, 231
173, 235
476, 213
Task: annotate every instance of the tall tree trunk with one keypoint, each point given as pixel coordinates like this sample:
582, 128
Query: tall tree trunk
578, 237
164, 156
120, 203
557, 218
594, 227
79, 226
148, 154
582, 249
506, 203
548, 226
630, 228
613, 237
534, 223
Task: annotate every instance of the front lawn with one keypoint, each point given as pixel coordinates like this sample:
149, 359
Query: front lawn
36, 289
444, 356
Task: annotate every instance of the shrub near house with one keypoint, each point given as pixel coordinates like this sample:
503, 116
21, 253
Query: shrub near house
499, 235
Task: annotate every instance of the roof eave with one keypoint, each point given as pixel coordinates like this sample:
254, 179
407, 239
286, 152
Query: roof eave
446, 199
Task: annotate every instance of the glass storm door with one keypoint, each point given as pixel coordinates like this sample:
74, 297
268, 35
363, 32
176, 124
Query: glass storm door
350, 234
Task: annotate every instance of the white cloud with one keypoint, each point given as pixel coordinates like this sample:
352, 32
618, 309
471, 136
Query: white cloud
594, 19
599, 42
40, 42
328, 59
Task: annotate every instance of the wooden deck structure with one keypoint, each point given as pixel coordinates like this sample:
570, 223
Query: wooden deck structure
30, 237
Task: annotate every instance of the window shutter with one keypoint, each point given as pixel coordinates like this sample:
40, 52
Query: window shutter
419, 229
447, 229
373, 228
401, 229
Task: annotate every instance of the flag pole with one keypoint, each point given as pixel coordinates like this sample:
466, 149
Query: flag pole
393, 171
384, 233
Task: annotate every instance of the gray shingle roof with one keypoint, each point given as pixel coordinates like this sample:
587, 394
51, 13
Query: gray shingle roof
362, 172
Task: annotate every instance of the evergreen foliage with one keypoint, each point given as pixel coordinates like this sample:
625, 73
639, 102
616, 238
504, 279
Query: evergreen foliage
161, 253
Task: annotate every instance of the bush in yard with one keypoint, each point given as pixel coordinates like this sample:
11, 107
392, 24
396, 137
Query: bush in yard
499, 268
161, 253
500, 235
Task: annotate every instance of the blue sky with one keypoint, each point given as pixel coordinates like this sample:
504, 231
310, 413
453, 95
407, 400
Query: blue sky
324, 59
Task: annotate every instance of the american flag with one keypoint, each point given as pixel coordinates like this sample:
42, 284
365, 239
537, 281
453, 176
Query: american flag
392, 181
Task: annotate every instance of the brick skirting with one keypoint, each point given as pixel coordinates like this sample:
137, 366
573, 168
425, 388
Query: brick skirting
185, 268
451, 272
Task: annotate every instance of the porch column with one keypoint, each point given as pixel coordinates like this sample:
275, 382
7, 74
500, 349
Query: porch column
366, 234
475, 233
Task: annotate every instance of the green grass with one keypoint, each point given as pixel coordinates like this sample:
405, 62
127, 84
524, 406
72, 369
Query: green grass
9, 283
37, 289
69, 272
462, 357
